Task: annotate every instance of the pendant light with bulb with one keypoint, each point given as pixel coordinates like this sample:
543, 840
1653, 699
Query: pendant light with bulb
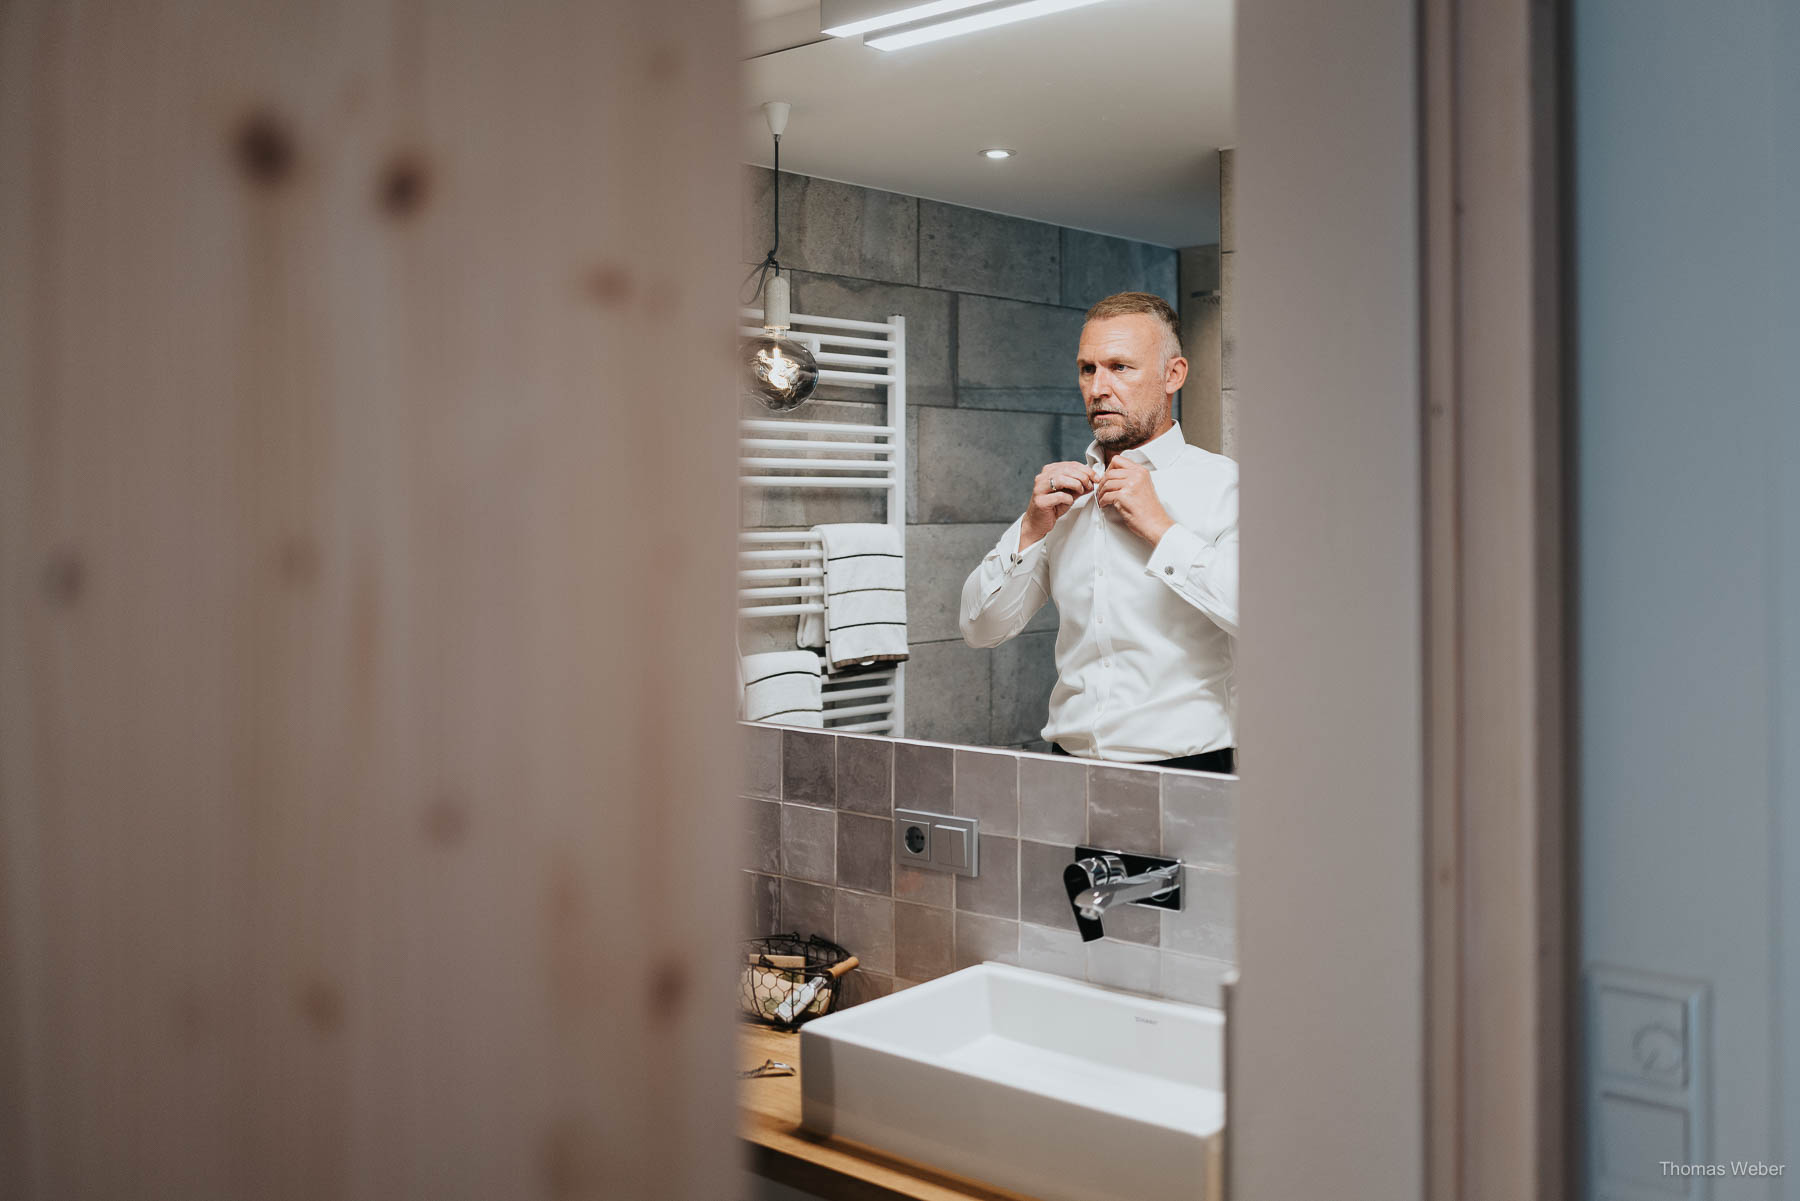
780, 373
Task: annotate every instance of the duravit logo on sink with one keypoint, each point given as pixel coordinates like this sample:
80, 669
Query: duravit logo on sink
1142, 1020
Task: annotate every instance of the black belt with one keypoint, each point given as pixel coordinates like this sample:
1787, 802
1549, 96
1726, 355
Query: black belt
1222, 761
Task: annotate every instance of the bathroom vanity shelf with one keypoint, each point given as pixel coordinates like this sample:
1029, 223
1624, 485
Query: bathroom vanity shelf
781, 573
769, 1124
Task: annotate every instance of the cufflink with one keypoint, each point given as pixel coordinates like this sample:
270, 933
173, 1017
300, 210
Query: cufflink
1168, 571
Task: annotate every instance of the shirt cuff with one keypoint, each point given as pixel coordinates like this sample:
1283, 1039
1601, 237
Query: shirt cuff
1175, 557
1011, 557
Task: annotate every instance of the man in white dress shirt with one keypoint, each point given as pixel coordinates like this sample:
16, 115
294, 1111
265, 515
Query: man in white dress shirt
1138, 547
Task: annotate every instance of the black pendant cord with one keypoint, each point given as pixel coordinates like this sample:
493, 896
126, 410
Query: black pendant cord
760, 272
776, 245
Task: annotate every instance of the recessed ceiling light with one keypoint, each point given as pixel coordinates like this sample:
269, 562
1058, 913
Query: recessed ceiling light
997, 152
984, 16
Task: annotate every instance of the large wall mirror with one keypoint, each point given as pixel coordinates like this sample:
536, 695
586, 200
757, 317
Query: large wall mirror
1006, 516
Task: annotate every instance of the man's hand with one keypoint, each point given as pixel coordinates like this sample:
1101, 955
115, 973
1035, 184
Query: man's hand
1126, 489
1057, 486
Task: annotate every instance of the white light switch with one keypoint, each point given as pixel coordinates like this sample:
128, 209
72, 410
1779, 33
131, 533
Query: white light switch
950, 846
1643, 1037
1635, 1138
1647, 1098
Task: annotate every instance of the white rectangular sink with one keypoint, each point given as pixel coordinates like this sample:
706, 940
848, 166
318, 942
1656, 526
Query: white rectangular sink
1045, 1086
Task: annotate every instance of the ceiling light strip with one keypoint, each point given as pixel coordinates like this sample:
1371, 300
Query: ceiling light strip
1005, 12
847, 18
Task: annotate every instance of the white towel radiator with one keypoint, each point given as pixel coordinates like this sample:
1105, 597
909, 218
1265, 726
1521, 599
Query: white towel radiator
781, 573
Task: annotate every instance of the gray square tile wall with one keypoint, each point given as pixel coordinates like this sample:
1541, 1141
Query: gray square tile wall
974, 251
1017, 356
818, 846
832, 228
1095, 266
993, 306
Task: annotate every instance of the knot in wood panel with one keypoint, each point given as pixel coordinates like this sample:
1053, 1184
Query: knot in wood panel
610, 285
670, 983
264, 149
322, 1005
446, 821
297, 560
65, 579
405, 182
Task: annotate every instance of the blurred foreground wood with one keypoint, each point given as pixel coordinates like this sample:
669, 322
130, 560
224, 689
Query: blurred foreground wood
366, 497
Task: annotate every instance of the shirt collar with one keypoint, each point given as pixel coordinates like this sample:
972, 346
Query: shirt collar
1159, 452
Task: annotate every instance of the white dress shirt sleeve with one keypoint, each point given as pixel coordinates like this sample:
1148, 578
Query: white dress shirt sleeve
1202, 573
1005, 590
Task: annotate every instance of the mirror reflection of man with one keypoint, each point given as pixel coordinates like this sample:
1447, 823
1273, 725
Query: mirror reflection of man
1138, 547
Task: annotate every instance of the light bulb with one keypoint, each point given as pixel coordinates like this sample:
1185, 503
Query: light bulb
779, 372
784, 372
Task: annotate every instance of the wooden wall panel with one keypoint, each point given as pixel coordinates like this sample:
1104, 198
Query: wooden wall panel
366, 492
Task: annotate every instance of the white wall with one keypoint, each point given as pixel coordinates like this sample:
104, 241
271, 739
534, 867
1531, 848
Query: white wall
1328, 1014
1688, 507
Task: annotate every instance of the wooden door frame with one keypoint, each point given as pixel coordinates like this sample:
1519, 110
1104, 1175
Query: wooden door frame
1496, 820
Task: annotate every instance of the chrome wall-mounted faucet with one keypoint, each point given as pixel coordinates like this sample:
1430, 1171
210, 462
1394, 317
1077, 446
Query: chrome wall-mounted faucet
1101, 879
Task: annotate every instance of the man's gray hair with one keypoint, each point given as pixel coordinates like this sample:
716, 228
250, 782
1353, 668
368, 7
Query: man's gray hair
1126, 304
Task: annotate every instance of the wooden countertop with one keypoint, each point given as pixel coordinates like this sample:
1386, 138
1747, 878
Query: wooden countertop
832, 1168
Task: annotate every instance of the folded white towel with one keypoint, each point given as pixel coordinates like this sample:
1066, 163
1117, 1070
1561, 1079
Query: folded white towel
782, 687
865, 597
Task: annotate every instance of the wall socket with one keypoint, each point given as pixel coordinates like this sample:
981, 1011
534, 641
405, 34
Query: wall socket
937, 841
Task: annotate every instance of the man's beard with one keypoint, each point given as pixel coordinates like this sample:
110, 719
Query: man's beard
1131, 432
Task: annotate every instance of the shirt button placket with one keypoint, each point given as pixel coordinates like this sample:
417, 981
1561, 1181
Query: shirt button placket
1102, 550
1099, 543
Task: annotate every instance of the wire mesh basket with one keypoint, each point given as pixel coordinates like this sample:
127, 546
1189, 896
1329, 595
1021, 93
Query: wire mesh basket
788, 980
